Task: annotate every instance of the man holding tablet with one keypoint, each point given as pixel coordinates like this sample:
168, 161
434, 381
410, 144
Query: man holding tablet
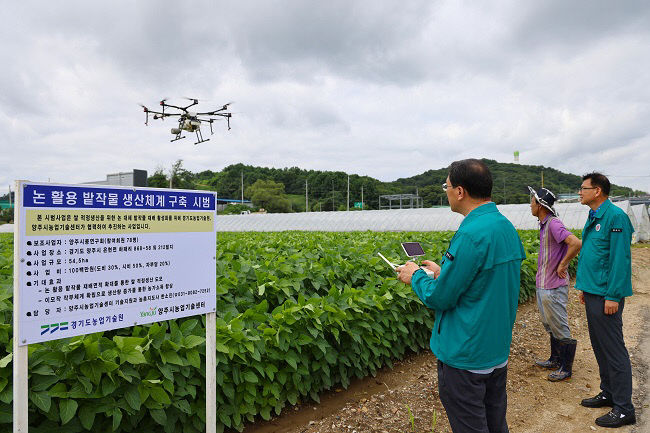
474, 294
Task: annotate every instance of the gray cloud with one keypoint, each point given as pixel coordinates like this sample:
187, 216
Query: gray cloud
384, 89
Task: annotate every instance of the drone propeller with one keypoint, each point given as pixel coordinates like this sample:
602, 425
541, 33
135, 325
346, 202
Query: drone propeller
226, 105
146, 111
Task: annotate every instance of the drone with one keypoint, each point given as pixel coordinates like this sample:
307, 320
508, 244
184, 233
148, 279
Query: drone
187, 120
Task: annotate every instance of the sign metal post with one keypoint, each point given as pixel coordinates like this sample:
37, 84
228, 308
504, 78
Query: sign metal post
21, 388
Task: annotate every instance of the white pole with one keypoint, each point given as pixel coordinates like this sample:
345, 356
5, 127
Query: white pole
361, 197
211, 361
21, 388
211, 372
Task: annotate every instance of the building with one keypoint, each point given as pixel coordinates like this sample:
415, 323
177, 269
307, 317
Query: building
128, 178
401, 201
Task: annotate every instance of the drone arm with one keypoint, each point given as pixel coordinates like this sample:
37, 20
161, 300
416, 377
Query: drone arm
173, 106
194, 102
216, 112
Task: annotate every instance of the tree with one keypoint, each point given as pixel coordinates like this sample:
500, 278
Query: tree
158, 179
7, 215
174, 174
269, 195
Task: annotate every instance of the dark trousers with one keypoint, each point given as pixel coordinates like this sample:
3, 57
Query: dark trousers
606, 335
475, 403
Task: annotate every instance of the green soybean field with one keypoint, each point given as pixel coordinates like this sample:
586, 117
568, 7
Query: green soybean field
297, 314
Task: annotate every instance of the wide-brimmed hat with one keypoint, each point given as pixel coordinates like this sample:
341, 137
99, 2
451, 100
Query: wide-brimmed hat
544, 197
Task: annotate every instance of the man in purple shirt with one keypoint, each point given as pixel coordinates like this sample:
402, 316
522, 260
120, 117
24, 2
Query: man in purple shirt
557, 246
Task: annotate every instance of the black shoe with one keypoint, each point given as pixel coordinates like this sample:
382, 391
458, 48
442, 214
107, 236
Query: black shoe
615, 418
598, 401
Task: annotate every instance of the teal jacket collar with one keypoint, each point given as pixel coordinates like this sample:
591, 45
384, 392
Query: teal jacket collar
598, 213
481, 210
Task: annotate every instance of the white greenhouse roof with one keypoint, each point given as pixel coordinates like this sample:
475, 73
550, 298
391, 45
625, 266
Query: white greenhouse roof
574, 216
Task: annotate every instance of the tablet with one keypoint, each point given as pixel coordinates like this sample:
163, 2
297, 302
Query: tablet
412, 249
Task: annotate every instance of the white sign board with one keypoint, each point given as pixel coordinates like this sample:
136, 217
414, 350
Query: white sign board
95, 258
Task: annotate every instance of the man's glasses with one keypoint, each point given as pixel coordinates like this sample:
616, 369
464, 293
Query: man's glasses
586, 187
445, 186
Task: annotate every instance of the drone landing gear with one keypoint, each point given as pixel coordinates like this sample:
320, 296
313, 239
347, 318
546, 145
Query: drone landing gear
177, 138
199, 137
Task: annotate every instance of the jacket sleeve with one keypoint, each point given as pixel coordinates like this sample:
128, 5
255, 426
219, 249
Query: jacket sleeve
620, 258
460, 265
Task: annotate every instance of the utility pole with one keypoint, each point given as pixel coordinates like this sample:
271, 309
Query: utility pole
306, 198
10, 195
242, 187
361, 197
348, 193
504, 190
542, 178
333, 208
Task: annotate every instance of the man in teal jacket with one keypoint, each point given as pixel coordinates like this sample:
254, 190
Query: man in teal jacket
605, 278
474, 293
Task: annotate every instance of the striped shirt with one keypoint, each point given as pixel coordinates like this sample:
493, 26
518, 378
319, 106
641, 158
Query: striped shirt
552, 250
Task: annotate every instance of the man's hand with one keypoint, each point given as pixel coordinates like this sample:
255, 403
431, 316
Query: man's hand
405, 272
562, 270
432, 266
611, 307
581, 295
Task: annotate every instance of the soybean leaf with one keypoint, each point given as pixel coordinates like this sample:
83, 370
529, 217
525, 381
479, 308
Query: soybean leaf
67, 409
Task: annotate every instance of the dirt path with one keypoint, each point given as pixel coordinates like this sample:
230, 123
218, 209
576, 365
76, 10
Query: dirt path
535, 405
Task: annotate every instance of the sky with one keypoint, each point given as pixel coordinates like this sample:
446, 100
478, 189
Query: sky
385, 89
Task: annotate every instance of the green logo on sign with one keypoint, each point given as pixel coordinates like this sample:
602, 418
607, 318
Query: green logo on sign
150, 313
54, 327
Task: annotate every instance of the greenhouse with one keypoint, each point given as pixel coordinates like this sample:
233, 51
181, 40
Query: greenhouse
574, 216
643, 222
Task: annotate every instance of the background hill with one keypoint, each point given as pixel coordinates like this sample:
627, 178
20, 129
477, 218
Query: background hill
327, 190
